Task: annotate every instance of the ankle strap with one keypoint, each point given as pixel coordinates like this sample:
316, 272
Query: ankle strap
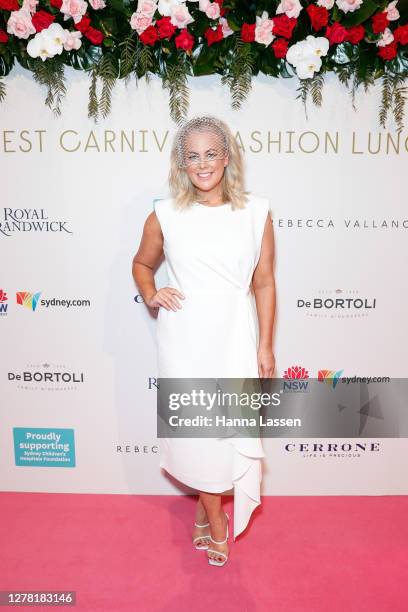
219, 541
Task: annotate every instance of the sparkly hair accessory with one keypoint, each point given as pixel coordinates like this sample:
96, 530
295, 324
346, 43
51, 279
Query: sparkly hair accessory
218, 143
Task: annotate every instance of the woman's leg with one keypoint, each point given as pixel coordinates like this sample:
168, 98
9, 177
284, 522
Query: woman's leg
218, 522
201, 519
201, 514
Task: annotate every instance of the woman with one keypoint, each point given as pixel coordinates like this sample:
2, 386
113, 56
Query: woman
218, 242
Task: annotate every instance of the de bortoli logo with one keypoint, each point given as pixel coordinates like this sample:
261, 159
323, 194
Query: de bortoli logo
336, 304
44, 377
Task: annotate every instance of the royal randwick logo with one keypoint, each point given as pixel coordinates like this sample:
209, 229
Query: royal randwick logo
295, 379
330, 377
22, 221
3, 302
27, 299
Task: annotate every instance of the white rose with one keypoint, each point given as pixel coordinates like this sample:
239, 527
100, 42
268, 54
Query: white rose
386, 38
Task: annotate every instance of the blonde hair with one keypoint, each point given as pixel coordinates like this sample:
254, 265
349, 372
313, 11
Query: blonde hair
182, 190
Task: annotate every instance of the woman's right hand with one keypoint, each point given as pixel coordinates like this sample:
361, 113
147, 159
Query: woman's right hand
166, 297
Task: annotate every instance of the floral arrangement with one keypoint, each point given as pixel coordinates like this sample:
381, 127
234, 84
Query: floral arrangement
359, 40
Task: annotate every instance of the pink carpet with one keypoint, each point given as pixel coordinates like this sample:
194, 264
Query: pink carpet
123, 552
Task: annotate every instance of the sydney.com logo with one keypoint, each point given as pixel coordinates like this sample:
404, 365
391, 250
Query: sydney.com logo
31, 301
295, 379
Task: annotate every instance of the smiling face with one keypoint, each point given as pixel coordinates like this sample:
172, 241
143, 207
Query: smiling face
205, 160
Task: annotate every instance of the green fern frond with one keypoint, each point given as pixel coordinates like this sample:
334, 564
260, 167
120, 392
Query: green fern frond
316, 87
108, 73
145, 61
60, 89
354, 87
303, 89
399, 106
239, 74
93, 106
369, 79
128, 56
386, 98
399, 93
51, 74
2, 90
344, 73
175, 80
348, 72
360, 77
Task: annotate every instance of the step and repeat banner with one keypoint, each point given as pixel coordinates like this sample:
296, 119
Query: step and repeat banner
78, 366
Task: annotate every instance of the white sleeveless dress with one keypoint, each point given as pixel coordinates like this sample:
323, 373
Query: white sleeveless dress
211, 254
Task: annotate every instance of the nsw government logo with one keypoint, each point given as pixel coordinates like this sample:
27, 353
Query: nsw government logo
3, 302
295, 379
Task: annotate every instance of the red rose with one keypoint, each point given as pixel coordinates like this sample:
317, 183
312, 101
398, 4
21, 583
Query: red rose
165, 28
56, 3
248, 32
380, 22
214, 36
319, 16
280, 47
95, 36
389, 51
222, 10
149, 35
83, 25
283, 26
3, 36
336, 33
355, 34
184, 40
401, 34
41, 19
9, 5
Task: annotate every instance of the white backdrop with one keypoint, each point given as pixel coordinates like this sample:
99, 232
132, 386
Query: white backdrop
81, 374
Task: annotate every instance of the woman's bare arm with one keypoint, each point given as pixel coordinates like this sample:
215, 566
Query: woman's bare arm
144, 263
148, 256
263, 282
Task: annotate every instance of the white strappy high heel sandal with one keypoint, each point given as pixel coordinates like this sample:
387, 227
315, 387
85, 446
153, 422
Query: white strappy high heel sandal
195, 540
217, 552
